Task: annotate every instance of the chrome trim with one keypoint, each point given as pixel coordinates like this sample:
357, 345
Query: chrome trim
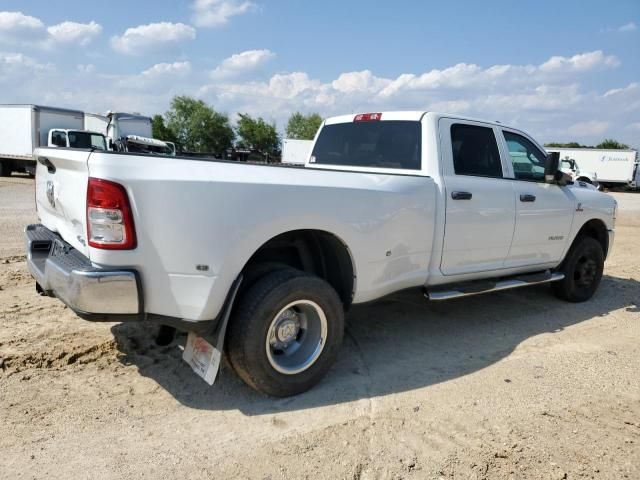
501, 285
76, 282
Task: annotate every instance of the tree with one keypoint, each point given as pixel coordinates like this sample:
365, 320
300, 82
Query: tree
160, 131
566, 145
612, 144
303, 127
198, 127
258, 134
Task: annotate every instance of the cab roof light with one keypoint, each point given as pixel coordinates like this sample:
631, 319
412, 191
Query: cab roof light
368, 117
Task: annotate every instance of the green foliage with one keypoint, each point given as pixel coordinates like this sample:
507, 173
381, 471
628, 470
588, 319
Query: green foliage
198, 127
610, 143
303, 127
607, 143
258, 134
566, 145
160, 131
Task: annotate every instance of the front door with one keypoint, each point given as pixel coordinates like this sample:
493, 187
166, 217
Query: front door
480, 210
543, 211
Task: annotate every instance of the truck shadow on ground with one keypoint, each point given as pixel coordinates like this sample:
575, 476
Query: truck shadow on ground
398, 344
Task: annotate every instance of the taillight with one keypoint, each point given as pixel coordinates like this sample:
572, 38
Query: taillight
367, 117
109, 218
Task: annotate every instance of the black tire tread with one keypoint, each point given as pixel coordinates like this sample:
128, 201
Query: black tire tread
244, 323
565, 289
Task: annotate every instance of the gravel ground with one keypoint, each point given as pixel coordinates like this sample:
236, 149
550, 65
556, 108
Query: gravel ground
510, 385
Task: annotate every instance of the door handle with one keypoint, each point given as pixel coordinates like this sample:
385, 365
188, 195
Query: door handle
51, 168
461, 195
527, 197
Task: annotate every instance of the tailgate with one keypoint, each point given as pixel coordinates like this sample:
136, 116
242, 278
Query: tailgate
61, 190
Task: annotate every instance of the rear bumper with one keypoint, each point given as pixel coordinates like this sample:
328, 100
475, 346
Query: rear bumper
63, 272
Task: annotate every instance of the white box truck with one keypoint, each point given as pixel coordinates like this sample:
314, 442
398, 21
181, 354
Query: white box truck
295, 152
23, 128
117, 126
613, 168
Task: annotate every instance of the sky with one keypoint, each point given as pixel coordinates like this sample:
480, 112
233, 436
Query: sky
561, 70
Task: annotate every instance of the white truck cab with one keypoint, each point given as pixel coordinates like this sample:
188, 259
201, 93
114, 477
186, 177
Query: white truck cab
66, 138
260, 262
571, 168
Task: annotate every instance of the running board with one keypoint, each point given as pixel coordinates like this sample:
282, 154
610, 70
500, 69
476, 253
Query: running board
483, 286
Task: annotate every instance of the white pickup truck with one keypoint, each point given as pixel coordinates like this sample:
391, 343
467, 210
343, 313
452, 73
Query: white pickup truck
260, 262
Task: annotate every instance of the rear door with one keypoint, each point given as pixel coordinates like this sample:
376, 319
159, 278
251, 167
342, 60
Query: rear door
544, 211
480, 210
61, 188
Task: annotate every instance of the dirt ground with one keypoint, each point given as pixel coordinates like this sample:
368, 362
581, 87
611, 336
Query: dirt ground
510, 385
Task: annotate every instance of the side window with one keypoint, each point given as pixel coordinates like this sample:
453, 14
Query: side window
528, 161
59, 139
475, 151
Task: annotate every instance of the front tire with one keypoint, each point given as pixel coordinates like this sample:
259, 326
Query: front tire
582, 268
285, 332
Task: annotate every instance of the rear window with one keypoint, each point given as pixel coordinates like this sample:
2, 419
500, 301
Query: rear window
380, 144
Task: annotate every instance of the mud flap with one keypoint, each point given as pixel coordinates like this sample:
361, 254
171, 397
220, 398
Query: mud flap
204, 353
203, 357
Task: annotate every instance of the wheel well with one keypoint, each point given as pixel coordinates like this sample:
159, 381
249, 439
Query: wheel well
313, 251
597, 230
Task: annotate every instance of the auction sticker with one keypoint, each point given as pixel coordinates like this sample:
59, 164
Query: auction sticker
203, 357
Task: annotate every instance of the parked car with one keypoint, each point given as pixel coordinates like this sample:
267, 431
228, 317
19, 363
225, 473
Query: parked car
614, 168
260, 262
23, 128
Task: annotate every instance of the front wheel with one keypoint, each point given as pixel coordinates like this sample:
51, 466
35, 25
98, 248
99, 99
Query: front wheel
285, 332
582, 270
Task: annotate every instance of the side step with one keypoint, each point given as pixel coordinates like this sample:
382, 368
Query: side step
484, 286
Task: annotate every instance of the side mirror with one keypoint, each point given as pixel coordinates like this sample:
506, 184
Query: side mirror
551, 167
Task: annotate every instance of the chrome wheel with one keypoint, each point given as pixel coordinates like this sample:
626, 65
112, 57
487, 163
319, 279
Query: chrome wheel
296, 337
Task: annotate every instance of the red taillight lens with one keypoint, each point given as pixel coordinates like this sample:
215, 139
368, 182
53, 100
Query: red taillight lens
109, 219
367, 117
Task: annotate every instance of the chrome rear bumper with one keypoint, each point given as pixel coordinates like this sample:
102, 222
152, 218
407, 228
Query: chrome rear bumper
63, 272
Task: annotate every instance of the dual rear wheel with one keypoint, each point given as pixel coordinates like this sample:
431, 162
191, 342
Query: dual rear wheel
285, 333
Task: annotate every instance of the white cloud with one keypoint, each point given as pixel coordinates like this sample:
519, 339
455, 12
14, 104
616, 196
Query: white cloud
137, 40
19, 29
580, 63
363, 81
628, 27
73, 32
16, 22
241, 63
548, 99
176, 68
214, 13
634, 126
160, 75
16, 69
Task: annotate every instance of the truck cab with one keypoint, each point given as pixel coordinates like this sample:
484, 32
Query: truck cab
66, 138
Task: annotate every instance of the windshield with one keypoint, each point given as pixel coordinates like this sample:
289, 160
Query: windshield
380, 144
87, 140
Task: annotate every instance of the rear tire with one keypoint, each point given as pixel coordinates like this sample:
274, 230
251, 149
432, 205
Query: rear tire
285, 332
582, 270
